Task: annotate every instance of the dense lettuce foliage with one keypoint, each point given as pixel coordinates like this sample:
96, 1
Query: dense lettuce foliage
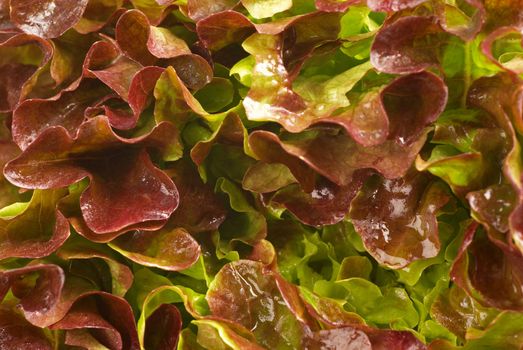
259, 174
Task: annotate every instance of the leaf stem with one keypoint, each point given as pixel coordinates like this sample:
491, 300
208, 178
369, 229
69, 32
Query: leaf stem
56, 339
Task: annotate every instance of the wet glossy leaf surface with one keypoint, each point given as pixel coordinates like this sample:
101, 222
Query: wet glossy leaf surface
261, 174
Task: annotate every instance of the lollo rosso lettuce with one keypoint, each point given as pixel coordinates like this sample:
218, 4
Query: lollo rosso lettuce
257, 174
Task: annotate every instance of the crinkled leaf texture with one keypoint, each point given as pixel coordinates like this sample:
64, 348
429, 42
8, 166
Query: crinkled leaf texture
261, 174
55, 160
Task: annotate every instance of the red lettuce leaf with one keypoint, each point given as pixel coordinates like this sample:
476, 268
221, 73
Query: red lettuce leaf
132, 35
483, 262
136, 193
504, 13
489, 42
500, 96
70, 207
327, 204
371, 339
401, 110
106, 62
109, 319
212, 333
412, 103
17, 333
19, 74
392, 5
146, 43
271, 98
46, 18
258, 298
84, 315
403, 46
5, 21
484, 146
107, 272
451, 17
200, 209
194, 70
245, 294
269, 148
396, 219
230, 132
493, 206
13, 77
69, 51
97, 14
140, 94
162, 328
300, 44
156, 11
200, 9
174, 102
383, 340
329, 312
223, 28
306, 155
142, 191
8, 150
58, 301
68, 109
36, 232
345, 156
335, 5
168, 249
142, 87
36, 298
458, 312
